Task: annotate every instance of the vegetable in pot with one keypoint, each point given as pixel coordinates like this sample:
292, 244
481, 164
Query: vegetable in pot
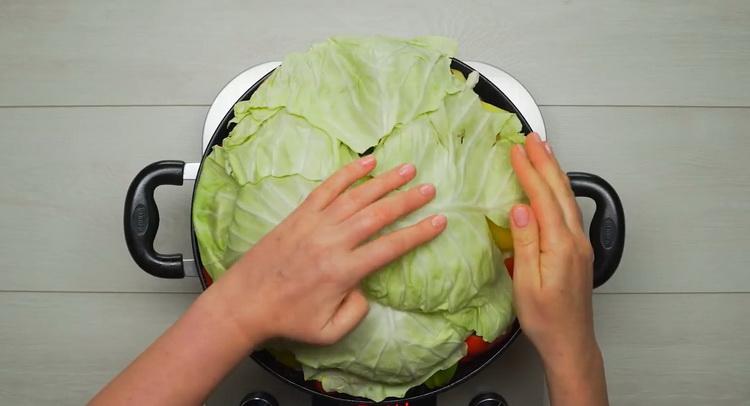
400, 99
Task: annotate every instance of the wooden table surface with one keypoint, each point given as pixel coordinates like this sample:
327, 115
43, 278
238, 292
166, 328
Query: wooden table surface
652, 95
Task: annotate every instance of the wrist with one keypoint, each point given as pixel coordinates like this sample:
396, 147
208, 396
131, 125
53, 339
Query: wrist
574, 363
244, 304
228, 301
581, 355
577, 378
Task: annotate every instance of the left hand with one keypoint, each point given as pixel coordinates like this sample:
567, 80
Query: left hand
301, 280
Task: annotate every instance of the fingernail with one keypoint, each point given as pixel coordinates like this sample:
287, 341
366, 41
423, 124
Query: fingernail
520, 149
427, 190
547, 148
406, 169
535, 136
439, 220
520, 216
367, 160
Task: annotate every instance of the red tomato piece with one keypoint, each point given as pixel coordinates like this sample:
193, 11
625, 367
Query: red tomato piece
475, 346
206, 277
509, 264
318, 386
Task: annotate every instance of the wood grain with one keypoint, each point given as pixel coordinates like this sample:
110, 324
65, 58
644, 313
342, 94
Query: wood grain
675, 349
64, 346
66, 175
660, 349
682, 174
60, 348
87, 52
684, 180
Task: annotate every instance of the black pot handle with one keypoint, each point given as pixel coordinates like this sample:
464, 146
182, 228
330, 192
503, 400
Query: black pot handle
607, 231
142, 219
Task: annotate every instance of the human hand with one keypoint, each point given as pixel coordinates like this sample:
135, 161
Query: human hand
300, 281
553, 262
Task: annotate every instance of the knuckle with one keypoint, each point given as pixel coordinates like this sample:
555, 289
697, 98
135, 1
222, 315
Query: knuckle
316, 195
372, 187
524, 241
379, 216
404, 239
566, 181
367, 225
565, 245
347, 200
419, 234
387, 248
586, 250
384, 180
424, 228
414, 198
391, 247
401, 205
410, 201
328, 339
392, 184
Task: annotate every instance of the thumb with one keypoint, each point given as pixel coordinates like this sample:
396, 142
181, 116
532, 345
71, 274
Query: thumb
525, 230
350, 312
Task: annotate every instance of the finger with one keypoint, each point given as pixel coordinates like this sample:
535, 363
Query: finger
327, 191
540, 155
356, 199
352, 310
526, 254
543, 201
380, 252
385, 211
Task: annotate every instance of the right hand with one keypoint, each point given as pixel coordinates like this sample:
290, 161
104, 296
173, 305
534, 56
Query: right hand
553, 262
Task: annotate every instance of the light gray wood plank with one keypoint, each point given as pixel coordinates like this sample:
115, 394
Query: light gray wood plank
682, 174
660, 349
684, 180
668, 52
675, 349
60, 348
66, 172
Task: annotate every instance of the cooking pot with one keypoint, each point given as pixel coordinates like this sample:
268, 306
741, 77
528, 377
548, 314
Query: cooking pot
141, 221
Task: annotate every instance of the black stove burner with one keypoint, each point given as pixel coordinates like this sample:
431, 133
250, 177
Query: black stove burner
431, 401
265, 399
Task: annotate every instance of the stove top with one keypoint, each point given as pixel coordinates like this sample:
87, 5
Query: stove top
233, 90
264, 399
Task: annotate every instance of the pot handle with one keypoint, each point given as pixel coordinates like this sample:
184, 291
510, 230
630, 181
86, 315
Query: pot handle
607, 231
142, 219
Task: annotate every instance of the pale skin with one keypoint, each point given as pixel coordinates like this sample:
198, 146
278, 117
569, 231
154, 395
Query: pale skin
304, 278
